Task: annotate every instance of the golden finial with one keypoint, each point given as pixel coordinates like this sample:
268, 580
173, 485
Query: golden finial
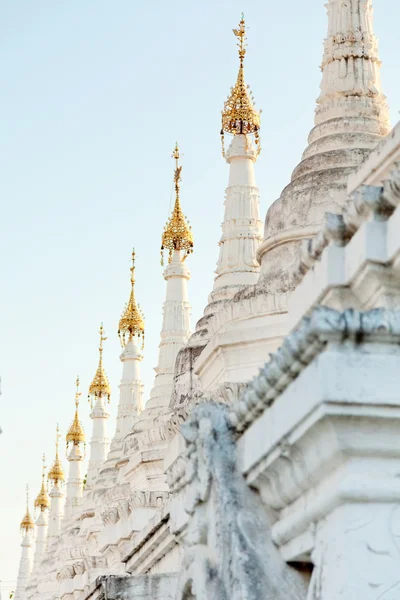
42, 501
56, 472
100, 386
239, 114
27, 522
131, 322
177, 234
75, 434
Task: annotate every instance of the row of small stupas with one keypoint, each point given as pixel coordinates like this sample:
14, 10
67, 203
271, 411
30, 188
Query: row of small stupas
124, 501
56, 511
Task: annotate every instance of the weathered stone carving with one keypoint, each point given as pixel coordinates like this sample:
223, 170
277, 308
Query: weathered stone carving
228, 550
303, 344
391, 187
67, 572
334, 229
110, 515
228, 393
121, 508
340, 228
95, 562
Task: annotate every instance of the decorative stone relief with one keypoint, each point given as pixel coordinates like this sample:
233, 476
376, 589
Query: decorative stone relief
228, 550
357, 554
340, 228
228, 393
121, 508
302, 345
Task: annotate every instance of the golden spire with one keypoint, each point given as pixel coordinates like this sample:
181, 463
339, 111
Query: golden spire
75, 434
42, 501
100, 386
177, 234
56, 472
27, 522
239, 114
132, 320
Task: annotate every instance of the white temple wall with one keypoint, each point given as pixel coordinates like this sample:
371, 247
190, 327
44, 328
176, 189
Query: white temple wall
238, 350
325, 459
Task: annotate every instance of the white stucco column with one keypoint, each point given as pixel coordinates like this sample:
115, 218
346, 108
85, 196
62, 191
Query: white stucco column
41, 537
99, 394
130, 387
74, 482
241, 229
99, 443
175, 329
25, 565
56, 512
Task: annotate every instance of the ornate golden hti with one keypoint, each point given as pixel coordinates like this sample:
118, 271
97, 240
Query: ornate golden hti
177, 233
76, 434
239, 114
56, 472
42, 501
131, 322
27, 522
100, 387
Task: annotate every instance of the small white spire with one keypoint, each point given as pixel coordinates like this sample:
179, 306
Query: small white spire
99, 393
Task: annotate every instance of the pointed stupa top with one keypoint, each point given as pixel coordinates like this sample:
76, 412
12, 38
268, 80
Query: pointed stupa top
56, 472
42, 501
100, 387
351, 119
76, 434
239, 114
177, 234
27, 522
131, 322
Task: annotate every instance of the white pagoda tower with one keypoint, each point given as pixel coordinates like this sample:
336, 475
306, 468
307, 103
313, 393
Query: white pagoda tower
99, 394
75, 438
131, 335
150, 430
242, 228
177, 241
26, 561
57, 477
237, 266
42, 502
351, 118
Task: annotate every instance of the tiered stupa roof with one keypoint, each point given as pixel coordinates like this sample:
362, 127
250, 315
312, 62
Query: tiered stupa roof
42, 501
239, 114
76, 434
131, 322
27, 522
100, 387
56, 472
177, 234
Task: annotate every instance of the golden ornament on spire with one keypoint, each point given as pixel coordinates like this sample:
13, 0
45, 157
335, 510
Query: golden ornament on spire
239, 114
56, 472
76, 434
27, 522
42, 501
100, 388
131, 322
177, 234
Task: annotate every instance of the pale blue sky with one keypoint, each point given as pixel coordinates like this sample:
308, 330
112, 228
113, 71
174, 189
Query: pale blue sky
94, 95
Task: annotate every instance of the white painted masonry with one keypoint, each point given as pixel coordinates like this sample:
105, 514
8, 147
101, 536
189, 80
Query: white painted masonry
265, 463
